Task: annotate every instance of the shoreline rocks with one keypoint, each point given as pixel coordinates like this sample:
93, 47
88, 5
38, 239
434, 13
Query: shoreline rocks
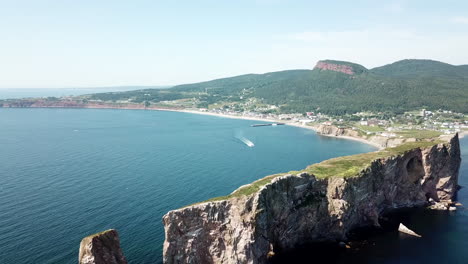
403, 229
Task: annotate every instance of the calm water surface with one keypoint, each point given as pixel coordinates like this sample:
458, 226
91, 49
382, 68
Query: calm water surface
68, 173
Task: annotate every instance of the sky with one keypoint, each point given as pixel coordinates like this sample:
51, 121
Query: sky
91, 43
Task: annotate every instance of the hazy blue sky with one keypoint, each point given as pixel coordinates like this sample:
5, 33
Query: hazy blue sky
68, 43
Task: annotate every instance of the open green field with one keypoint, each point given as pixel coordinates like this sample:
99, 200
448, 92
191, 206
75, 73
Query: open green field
421, 134
370, 128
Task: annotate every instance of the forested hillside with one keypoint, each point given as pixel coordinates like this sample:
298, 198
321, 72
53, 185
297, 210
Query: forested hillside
332, 87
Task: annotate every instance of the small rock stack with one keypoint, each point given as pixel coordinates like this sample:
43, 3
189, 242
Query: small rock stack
101, 248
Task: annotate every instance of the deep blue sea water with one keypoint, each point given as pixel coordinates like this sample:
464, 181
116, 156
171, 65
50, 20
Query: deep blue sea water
68, 173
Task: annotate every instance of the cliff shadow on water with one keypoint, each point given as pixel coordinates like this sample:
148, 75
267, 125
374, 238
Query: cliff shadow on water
386, 244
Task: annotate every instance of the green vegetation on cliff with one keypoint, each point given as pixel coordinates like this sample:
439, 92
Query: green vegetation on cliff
349, 166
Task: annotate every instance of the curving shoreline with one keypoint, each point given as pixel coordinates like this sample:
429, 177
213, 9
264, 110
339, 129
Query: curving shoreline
286, 122
74, 105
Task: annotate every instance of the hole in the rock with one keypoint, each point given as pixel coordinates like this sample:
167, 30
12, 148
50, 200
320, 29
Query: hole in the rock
415, 169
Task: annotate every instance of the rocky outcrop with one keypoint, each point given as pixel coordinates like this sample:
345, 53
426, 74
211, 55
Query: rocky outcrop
101, 248
328, 130
322, 65
295, 209
403, 229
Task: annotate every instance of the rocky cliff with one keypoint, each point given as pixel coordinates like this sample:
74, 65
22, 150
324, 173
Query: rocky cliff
101, 248
289, 210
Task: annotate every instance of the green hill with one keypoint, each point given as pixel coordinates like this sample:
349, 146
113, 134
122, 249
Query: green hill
333, 87
422, 68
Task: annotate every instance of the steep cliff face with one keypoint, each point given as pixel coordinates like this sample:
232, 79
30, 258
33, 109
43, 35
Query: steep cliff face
295, 209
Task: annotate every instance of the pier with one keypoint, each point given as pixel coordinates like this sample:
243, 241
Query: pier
269, 124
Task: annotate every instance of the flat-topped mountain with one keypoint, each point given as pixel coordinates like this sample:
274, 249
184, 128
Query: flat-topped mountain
340, 66
338, 87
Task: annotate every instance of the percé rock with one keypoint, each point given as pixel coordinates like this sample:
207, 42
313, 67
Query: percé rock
295, 209
101, 248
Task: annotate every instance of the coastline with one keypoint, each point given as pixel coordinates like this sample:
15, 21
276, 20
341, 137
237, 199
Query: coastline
193, 111
286, 122
362, 140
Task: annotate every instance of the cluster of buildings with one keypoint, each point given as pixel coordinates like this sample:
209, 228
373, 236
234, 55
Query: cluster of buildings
442, 120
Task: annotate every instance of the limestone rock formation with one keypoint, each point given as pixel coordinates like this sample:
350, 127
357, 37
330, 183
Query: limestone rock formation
101, 248
295, 209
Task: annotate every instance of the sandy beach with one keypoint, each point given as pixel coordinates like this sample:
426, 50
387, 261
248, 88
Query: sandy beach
286, 122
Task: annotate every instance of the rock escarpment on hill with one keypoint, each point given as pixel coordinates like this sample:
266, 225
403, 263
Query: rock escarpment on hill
335, 67
294, 209
101, 248
340, 66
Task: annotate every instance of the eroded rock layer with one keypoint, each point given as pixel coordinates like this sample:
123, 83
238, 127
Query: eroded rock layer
295, 209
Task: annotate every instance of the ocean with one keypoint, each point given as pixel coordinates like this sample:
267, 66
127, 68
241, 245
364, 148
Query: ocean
69, 173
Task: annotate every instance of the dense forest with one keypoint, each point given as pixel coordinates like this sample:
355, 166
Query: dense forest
397, 87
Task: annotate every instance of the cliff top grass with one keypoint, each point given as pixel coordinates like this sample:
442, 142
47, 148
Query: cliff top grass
346, 166
420, 134
349, 166
247, 189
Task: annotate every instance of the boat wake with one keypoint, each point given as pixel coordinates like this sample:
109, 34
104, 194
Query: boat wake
247, 142
240, 136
